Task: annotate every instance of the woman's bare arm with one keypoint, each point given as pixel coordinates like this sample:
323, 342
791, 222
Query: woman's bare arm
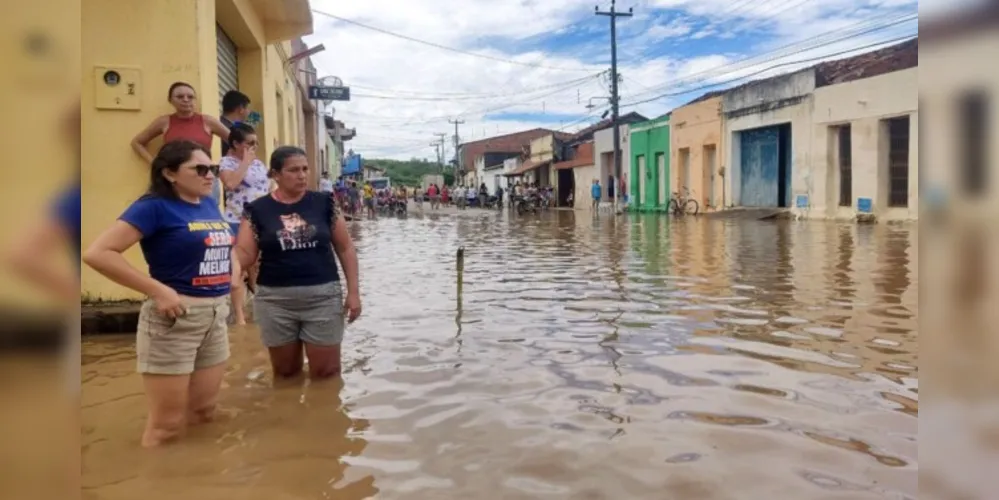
245, 250
105, 256
142, 139
231, 179
343, 245
217, 127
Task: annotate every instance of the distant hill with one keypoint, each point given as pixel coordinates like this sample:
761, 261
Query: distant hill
407, 172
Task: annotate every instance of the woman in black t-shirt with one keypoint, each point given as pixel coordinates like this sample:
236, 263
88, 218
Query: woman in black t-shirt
299, 300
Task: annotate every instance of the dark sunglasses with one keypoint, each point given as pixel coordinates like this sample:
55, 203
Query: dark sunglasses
202, 170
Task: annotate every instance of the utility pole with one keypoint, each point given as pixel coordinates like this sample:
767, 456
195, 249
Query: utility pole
439, 146
613, 14
457, 160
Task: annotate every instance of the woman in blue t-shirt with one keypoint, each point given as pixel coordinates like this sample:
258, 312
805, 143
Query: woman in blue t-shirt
299, 300
182, 341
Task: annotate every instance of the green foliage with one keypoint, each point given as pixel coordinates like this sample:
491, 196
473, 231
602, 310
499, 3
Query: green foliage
405, 173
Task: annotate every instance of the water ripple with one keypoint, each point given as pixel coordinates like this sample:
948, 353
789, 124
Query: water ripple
580, 356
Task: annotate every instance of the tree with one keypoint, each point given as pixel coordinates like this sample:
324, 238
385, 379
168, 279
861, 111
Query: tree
405, 173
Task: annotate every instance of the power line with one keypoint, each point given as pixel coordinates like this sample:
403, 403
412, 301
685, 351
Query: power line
798, 47
444, 47
479, 111
521, 91
764, 70
471, 97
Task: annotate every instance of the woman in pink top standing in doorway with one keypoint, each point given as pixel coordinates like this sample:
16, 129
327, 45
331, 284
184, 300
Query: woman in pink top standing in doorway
184, 124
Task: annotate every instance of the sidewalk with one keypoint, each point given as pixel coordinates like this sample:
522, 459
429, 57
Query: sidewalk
109, 318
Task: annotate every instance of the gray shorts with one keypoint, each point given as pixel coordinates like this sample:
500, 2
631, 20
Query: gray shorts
312, 314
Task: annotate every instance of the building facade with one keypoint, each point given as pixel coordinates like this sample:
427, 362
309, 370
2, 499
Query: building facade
603, 157
309, 137
469, 151
542, 155
697, 152
865, 149
575, 175
214, 45
768, 129
649, 178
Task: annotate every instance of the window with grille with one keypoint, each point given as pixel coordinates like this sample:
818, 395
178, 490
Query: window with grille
898, 162
973, 137
845, 164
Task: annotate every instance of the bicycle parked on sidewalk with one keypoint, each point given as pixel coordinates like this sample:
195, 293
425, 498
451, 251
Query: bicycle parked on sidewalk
683, 205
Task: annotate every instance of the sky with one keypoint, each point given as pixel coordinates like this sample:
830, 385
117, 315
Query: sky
502, 66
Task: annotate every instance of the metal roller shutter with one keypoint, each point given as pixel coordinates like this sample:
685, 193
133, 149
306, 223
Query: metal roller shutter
227, 62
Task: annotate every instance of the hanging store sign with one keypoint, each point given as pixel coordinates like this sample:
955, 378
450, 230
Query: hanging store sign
322, 93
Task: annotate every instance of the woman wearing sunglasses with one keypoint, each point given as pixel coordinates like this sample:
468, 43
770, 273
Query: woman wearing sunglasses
182, 341
299, 302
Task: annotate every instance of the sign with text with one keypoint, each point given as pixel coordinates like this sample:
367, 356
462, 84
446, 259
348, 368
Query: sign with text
329, 93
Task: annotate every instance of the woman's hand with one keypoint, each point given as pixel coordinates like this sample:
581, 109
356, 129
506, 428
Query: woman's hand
168, 303
249, 154
352, 307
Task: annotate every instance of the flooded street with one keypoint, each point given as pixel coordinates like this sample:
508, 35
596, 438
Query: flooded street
635, 357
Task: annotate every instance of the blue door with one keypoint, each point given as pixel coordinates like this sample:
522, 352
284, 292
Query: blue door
760, 158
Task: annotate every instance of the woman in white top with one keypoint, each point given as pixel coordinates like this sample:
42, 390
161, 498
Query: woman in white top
245, 179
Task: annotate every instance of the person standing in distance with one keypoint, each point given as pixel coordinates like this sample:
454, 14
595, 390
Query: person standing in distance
595, 192
325, 184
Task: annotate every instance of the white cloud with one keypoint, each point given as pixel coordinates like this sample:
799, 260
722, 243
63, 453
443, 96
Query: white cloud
675, 28
456, 85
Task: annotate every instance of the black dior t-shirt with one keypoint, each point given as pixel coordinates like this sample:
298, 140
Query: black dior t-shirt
294, 240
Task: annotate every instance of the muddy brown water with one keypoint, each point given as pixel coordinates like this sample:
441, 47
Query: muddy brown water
586, 358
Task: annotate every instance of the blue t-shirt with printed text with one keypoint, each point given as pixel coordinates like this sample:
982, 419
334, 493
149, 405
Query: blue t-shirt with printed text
187, 246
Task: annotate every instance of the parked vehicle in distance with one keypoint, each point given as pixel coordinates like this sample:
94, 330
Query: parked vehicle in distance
380, 183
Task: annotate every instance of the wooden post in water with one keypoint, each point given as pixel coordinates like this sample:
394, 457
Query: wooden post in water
460, 264
460, 267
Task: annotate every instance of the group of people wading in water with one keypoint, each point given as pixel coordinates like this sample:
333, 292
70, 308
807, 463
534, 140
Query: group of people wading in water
198, 256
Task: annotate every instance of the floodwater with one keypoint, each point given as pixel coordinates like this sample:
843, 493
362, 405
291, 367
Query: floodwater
628, 357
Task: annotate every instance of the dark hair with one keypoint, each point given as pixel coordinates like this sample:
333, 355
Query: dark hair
233, 100
177, 85
239, 132
171, 156
281, 155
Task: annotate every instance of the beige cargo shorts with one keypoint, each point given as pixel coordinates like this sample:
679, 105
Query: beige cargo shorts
196, 340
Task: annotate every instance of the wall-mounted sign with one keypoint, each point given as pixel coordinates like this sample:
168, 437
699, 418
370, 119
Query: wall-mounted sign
864, 205
322, 93
801, 201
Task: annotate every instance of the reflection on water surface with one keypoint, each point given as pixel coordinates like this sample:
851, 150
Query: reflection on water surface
586, 358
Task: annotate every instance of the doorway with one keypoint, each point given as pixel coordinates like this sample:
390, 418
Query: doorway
641, 179
765, 167
710, 168
566, 186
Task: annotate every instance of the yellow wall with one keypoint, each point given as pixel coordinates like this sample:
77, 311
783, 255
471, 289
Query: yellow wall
542, 149
694, 127
39, 90
166, 41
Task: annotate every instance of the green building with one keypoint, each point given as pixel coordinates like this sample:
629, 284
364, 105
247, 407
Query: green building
648, 186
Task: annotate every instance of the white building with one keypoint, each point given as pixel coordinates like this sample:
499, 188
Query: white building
603, 156
865, 148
